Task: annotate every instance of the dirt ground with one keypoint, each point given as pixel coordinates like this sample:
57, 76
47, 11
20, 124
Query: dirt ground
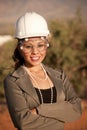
81, 124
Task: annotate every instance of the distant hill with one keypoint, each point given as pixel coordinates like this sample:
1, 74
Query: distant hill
10, 10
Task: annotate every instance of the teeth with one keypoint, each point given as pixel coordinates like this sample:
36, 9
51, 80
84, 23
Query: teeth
34, 58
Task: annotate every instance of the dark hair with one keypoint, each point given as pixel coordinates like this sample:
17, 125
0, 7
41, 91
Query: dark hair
18, 59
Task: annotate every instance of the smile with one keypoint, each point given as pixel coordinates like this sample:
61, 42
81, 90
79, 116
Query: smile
35, 58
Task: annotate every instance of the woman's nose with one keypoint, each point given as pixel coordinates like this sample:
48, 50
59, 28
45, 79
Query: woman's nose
34, 50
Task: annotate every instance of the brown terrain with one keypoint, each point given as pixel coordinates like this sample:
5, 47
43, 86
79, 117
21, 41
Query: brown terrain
80, 124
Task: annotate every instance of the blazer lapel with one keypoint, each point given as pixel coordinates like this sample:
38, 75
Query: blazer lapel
55, 76
25, 83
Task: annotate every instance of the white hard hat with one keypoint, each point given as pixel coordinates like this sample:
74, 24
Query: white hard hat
31, 25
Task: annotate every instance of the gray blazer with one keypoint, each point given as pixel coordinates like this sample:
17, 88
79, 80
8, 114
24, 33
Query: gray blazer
21, 97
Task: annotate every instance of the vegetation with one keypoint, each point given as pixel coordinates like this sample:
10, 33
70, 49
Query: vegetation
6, 62
68, 50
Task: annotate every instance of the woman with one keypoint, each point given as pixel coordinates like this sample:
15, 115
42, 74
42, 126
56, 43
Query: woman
38, 97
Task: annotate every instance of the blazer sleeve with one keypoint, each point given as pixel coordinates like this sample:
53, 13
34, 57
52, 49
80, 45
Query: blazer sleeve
66, 111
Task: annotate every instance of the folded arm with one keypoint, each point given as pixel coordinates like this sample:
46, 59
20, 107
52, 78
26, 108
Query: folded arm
66, 111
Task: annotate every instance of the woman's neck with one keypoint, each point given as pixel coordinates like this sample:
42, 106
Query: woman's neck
36, 68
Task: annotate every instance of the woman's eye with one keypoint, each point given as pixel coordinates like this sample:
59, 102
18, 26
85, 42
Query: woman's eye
28, 47
40, 45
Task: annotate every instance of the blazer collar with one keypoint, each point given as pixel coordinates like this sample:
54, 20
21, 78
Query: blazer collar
55, 76
20, 72
23, 81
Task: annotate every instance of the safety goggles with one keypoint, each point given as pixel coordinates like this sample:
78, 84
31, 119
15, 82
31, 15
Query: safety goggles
26, 45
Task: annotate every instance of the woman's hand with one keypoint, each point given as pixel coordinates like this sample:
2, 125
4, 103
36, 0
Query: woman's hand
33, 111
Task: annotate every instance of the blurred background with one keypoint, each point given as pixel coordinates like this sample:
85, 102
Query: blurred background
67, 20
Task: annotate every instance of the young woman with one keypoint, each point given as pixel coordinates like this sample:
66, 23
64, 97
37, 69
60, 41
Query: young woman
38, 97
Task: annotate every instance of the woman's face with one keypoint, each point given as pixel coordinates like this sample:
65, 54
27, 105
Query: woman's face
33, 50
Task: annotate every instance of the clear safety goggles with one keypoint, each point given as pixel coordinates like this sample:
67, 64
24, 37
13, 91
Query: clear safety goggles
26, 45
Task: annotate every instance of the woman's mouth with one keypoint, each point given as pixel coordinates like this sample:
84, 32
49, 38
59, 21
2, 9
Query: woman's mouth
35, 58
